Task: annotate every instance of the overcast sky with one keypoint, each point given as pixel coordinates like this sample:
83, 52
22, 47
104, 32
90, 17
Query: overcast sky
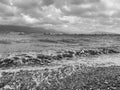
73, 16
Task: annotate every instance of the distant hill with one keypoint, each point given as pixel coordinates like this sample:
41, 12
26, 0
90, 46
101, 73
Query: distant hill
40, 30
102, 32
24, 29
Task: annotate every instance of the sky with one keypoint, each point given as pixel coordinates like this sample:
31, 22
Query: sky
71, 16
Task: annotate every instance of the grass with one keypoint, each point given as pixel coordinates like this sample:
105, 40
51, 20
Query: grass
42, 59
76, 77
68, 41
5, 42
47, 41
67, 77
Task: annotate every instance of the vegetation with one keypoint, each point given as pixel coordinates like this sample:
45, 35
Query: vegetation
74, 77
42, 59
5, 42
65, 77
35, 72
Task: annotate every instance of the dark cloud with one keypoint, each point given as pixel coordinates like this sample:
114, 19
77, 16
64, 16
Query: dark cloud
77, 2
6, 10
7, 2
48, 2
26, 4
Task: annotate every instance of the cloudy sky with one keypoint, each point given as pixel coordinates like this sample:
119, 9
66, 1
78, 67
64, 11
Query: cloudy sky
72, 16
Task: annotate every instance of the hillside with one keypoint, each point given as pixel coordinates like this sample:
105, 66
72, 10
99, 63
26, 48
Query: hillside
25, 29
102, 32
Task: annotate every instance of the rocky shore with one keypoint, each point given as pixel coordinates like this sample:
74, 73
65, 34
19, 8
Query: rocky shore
40, 59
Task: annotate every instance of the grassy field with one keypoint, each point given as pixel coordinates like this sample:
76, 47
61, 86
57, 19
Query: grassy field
36, 42
59, 62
73, 77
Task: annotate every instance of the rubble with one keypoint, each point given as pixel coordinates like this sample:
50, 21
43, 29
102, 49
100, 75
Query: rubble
43, 59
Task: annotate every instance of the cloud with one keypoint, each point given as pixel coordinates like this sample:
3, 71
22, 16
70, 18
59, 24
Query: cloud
6, 10
29, 19
26, 4
70, 15
7, 2
66, 8
112, 6
51, 11
47, 2
69, 19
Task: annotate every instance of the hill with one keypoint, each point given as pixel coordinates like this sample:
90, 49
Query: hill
24, 29
102, 32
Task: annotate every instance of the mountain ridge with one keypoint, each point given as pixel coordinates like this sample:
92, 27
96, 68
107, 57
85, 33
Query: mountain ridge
41, 30
25, 29
102, 32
